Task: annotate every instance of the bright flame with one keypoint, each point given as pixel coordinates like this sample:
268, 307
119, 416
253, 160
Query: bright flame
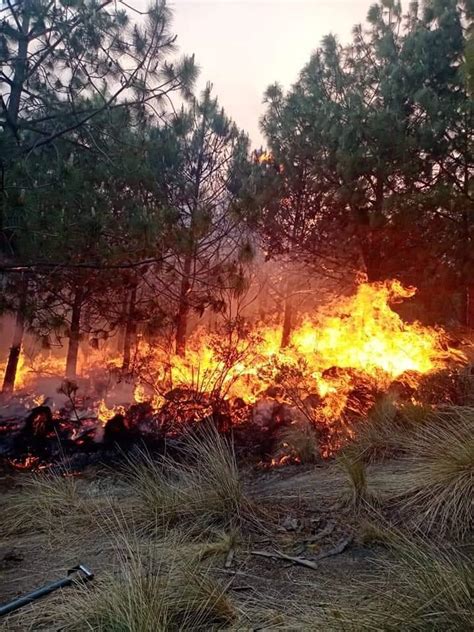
105, 414
264, 157
355, 343
353, 339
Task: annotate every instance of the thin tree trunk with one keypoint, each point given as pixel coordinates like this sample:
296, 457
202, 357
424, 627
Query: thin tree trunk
12, 113
468, 256
20, 70
123, 325
287, 316
74, 334
15, 349
368, 227
130, 330
467, 315
183, 308
373, 257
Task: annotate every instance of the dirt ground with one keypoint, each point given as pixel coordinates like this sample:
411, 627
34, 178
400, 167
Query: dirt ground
308, 516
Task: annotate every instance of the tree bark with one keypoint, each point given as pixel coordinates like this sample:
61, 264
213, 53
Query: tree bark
369, 232
287, 316
20, 69
467, 315
15, 349
468, 255
130, 330
183, 308
372, 255
74, 334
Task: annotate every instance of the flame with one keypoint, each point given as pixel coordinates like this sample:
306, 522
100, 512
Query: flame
360, 333
104, 413
264, 157
336, 359
139, 395
336, 362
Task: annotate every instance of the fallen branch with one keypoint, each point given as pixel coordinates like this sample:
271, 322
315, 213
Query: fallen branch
283, 556
229, 559
301, 561
339, 548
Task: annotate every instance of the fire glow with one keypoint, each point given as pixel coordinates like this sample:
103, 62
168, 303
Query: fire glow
355, 340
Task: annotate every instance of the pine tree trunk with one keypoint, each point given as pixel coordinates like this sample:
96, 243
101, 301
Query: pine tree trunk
287, 317
183, 308
373, 258
123, 326
15, 349
19, 75
469, 305
130, 330
74, 335
468, 255
467, 315
369, 232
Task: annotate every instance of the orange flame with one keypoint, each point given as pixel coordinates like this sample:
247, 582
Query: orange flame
354, 339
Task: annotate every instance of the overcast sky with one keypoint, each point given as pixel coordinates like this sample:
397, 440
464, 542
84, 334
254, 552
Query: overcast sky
242, 46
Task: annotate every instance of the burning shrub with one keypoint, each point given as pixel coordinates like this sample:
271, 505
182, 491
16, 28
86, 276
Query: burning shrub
438, 489
202, 491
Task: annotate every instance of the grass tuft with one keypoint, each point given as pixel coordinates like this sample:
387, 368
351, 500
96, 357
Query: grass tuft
151, 589
200, 493
47, 503
300, 441
382, 434
424, 589
437, 491
356, 472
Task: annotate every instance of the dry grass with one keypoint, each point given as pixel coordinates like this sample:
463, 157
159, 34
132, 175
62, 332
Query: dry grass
46, 504
356, 472
381, 435
423, 589
300, 441
59, 507
437, 492
202, 492
151, 589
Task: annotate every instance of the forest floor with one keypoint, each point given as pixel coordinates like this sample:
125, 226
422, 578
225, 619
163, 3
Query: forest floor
306, 512
304, 503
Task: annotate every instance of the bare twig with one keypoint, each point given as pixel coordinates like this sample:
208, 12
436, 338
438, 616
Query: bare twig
229, 558
279, 555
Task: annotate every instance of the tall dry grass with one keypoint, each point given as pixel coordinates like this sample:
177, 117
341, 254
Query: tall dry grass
46, 503
300, 441
436, 493
381, 435
151, 588
420, 589
201, 492
360, 497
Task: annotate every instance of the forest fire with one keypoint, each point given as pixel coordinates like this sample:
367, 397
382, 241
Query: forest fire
336, 364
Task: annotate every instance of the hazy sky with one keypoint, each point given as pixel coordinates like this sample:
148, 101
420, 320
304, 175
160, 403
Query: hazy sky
242, 46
